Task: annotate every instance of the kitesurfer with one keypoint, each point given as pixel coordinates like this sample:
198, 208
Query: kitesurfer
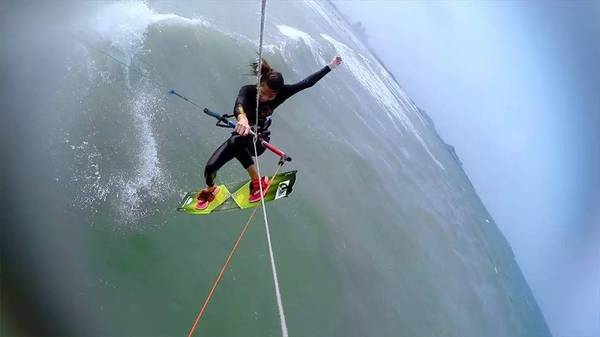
273, 92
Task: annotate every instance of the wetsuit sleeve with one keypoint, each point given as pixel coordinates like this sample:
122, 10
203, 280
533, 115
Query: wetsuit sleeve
308, 82
240, 100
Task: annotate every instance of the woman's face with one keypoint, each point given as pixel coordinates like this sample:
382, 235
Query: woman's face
266, 93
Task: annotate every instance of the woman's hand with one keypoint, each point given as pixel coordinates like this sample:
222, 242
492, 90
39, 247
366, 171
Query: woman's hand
335, 62
242, 127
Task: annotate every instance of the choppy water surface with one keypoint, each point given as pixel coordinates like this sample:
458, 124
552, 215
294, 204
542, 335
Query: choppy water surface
383, 236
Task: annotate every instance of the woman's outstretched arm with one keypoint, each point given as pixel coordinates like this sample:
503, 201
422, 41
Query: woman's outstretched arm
308, 82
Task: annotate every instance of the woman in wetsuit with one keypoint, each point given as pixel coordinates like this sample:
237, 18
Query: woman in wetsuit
273, 92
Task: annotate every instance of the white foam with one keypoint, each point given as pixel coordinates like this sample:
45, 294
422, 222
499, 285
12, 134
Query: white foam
339, 25
294, 35
387, 92
317, 8
359, 67
149, 182
88, 175
149, 164
124, 24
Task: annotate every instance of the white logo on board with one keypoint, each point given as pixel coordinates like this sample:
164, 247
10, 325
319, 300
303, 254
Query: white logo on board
282, 189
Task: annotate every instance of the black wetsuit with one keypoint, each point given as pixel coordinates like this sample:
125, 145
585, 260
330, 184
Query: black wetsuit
241, 147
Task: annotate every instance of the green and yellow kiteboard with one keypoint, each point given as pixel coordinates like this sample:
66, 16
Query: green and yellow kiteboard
235, 195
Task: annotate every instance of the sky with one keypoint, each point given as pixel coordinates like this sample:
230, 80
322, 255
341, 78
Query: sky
515, 87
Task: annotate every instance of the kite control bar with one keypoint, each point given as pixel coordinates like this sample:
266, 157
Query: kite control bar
224, 122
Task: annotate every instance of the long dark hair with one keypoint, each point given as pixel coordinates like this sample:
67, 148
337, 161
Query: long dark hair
274, 79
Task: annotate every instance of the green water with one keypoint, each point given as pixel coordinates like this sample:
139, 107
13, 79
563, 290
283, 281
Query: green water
383, 236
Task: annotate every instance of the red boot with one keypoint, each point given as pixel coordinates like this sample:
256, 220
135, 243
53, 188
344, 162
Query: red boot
255, 189
205, 196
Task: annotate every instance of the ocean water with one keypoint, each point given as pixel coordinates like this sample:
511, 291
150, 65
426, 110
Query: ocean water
383, 236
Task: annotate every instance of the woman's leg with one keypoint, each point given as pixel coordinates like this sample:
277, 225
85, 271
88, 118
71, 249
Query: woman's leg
252, 172
222, 155
245, 156
236, 146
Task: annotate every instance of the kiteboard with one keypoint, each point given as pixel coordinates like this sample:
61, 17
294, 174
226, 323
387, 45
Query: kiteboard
235, 195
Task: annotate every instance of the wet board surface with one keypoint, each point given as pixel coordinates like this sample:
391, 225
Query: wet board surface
235, 195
